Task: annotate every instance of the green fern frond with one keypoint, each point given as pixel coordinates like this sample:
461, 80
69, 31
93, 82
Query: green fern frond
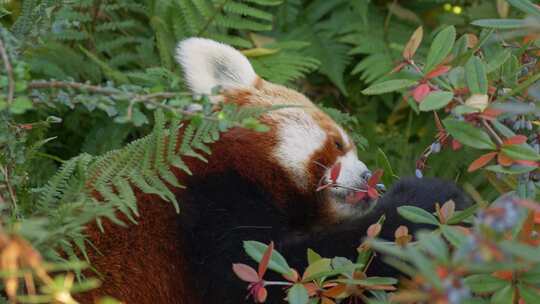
284, 66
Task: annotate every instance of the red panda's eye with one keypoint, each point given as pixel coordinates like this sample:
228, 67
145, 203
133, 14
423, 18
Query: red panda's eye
339, 146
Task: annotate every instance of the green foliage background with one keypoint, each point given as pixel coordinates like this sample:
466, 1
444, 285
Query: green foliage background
89, 74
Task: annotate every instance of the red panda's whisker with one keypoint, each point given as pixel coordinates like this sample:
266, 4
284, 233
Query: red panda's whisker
320, 165
350, 188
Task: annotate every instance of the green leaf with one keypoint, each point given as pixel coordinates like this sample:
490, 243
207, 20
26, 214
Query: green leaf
371, 281
525, 6
509, 170
312, 256
475, 75
322, 265
383, 162
529, 253
20, 105
434, 245
453, 235
441, 47
461, 215
277, 262
468, 135
498, 60
531, 276
417, 215
388, 86
484, 283
521, 152
112, 73
297, 294
529, 294
503, 296
436, 100
501, 23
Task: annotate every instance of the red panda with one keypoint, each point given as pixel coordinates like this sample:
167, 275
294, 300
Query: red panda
256, 186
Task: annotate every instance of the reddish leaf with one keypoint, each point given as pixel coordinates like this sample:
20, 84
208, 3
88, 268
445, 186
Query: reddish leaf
481, 161
413, 43
528, 163
420, 92
503, 275
372, 193
461, 91
261, 295
327, 301
374, 230
312, 289
374, 179
334, 172
381, 287
442, 272
263, 264
401, 231
515, 140
335, 291
491, 113
438, 71
245, 273
456, 145
447, 210
504, 160
398, 67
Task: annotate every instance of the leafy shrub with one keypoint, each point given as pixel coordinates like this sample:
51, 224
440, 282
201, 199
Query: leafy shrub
83, 78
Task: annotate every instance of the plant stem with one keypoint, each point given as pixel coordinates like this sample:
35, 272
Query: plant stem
492, 132
268, 283
8, 185
144, 98
9, 71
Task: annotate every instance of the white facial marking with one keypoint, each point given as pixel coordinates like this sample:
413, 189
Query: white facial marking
299, 136
208, 64
351, 170
345, 137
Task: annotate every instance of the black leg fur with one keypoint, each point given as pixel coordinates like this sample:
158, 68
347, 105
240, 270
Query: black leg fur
219, 217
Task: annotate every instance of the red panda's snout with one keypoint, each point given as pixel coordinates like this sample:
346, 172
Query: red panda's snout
342, 181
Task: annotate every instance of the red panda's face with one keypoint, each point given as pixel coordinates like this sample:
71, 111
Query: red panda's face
304, 142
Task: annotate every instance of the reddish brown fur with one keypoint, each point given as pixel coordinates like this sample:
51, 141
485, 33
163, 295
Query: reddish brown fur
144, 263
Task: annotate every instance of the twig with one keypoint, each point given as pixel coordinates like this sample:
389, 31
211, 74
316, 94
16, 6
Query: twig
492, 132
73, 85
152, 99
8, 185
9, 71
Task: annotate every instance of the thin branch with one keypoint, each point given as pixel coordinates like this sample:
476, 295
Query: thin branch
9, 71
152, 98
73, 85
8, 185
492, 132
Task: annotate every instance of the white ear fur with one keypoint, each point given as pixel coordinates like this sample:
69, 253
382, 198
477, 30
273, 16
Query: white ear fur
208, 64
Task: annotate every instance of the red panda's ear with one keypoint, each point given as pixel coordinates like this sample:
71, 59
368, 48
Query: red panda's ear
208, 64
